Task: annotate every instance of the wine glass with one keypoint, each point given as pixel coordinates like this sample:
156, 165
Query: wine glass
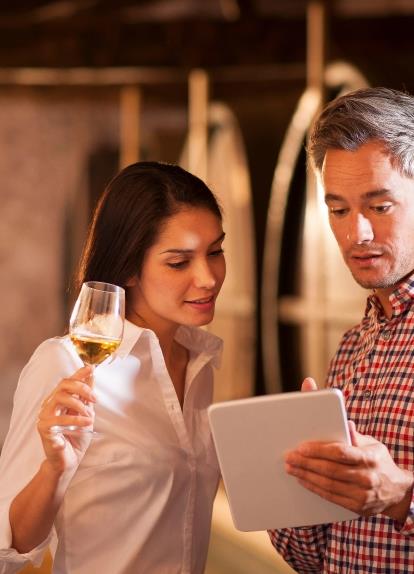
95, 328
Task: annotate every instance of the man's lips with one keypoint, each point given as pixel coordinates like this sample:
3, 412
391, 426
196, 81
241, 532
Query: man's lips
365, 255
364, 259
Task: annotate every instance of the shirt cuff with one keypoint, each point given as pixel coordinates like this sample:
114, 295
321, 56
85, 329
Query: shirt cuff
12, 561
408, 527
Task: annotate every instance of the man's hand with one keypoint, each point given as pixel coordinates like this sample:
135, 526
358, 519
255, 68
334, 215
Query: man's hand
362, 477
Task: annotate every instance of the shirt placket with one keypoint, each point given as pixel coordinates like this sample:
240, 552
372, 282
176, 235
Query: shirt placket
178, 421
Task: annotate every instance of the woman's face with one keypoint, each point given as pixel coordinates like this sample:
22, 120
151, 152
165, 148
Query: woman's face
182, 273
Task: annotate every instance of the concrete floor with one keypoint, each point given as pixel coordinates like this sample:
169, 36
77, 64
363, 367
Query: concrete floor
235, 552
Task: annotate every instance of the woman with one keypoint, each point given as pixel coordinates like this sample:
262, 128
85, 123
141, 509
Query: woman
138, 499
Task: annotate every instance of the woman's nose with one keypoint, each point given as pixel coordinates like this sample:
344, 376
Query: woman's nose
204, 277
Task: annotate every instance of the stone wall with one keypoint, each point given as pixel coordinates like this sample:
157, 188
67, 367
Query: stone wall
47, 137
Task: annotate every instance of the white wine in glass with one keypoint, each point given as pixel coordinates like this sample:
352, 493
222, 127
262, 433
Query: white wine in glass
96, 327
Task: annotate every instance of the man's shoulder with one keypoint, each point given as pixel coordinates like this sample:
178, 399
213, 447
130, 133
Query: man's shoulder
351, 336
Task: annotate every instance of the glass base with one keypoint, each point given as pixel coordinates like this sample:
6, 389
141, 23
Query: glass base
73, 430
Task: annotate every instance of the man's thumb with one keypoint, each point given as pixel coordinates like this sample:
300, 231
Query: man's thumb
353, 433
309, 384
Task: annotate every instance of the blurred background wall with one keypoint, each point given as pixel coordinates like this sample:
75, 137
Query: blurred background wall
227, 88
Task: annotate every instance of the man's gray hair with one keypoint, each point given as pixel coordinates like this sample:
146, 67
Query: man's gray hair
364, 115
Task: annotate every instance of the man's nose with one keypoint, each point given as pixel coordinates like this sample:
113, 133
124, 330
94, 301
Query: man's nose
360, 230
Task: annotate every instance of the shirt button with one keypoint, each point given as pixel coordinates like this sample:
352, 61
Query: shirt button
367, 394
386, 335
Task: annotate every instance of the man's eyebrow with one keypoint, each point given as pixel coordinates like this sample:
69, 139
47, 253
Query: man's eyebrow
184, 251
368, 195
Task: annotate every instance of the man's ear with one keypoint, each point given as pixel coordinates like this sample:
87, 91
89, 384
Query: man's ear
132, 282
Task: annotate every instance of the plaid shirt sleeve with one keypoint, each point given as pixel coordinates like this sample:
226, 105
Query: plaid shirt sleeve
302, 548
374, 368
407, 528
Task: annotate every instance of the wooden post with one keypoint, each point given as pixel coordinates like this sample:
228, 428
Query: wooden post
129, 123
313, 281
198, 123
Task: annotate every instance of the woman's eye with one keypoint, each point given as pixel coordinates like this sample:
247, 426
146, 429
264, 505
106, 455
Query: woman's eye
216, 253
178, 264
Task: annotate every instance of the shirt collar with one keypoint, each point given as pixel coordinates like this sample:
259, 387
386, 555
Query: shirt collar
192, 338
400, 298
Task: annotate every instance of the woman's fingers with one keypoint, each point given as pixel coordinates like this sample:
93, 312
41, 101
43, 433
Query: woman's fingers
70, 403
70, 393
45, 425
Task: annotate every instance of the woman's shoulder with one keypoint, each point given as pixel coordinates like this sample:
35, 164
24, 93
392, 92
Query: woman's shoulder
53, 357
51, 361
55, 348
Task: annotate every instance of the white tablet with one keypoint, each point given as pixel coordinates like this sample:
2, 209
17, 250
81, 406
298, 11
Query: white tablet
251, 437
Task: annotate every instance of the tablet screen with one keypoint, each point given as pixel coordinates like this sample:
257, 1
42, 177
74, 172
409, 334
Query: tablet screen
251, 437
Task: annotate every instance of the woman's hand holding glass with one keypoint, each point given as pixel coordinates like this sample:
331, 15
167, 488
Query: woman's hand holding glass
70, 404
95, 329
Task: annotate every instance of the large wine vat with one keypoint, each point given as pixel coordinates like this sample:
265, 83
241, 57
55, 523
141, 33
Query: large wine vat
308, 296
235, 319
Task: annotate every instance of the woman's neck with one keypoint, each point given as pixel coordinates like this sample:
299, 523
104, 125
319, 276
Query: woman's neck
165, 332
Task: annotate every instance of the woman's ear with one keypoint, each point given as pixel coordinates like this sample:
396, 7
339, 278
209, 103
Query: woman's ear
132, 282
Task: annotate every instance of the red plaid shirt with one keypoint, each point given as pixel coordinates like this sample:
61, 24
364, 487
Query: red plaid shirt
374, 368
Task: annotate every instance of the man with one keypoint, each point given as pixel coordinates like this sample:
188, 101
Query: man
362, 148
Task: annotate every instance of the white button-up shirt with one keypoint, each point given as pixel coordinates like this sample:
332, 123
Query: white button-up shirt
142, 496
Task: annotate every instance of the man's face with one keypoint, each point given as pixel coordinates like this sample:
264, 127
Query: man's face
371, 213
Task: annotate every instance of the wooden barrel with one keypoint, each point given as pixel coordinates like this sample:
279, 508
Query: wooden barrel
308, 296
235, 318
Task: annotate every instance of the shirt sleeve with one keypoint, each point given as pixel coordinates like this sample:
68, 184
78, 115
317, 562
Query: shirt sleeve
22, 453
302, 548
407, 529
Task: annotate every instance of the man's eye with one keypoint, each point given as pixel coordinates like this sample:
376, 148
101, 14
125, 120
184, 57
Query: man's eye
383, 208
338, 211
178, 264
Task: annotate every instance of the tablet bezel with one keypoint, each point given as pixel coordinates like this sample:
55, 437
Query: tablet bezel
251, 436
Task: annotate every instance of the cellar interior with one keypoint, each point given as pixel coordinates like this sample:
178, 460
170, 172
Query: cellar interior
88, 86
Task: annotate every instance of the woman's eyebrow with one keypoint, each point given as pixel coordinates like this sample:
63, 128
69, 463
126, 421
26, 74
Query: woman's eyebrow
182, 251
220, 238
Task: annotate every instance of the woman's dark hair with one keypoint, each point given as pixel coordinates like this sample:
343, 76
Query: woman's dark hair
129, 217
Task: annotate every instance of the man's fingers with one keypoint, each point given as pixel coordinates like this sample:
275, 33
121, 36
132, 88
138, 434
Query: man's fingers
332, 476
342, 499
332, 451
353, 433
336, 452
309, 384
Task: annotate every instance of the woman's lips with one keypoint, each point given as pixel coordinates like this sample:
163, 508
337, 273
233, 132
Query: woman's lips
202, 304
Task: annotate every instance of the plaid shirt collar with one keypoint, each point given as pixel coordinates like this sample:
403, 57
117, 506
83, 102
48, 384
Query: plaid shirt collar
401, 299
